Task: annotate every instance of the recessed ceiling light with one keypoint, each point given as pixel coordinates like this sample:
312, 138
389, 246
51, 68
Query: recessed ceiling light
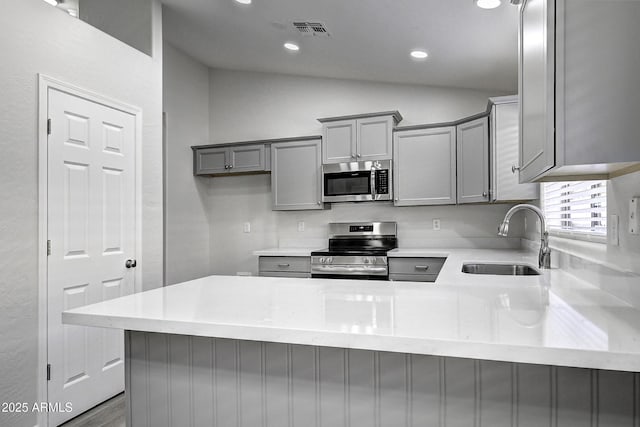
419, 54
244, 1
292, 46
487, 4
52, 2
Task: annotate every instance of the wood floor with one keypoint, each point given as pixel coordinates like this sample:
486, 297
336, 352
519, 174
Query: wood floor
107, 414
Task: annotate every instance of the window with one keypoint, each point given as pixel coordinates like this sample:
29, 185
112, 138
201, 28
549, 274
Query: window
576, 209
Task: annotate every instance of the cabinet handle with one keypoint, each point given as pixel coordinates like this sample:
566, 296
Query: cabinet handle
514, 168
319, 202
230, 166
283, 265
484, 194
353, 155
422, 267
358, 155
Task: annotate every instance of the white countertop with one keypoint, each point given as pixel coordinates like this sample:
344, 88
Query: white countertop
551, 319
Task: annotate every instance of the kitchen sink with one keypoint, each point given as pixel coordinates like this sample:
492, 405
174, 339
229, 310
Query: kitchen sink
500, 269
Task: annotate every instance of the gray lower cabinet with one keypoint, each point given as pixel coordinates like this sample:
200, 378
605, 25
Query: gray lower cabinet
296, 175
473, 161
415, 269
280, 266
242, 158
424, 166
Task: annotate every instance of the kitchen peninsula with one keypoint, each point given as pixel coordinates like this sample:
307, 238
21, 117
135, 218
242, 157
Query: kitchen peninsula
225, 350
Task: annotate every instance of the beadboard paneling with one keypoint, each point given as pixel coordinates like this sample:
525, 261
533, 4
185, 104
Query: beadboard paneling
176, 380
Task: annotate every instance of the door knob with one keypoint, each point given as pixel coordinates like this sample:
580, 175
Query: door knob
131, 263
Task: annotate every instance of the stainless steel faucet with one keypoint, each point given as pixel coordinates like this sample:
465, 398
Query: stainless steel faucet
544, 257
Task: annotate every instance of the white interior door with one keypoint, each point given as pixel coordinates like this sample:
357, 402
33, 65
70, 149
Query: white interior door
91, 227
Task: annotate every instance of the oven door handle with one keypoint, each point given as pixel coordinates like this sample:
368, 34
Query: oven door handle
347, 269
373, 183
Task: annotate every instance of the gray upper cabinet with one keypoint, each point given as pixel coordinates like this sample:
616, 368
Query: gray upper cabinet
505, 186
209, 161
473, 161
339, 142
358, 138
579, 105
424, 166
247, 158
241, 158
296, 175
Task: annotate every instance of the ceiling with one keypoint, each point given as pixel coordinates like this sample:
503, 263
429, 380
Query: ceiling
468, 47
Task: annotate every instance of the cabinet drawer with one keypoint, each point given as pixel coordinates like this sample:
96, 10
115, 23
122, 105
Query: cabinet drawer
416, 266
280, 263
413, 277
285, 274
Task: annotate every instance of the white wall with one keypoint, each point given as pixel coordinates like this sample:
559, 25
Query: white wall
619, 191
249, 105
186, 104
37, 38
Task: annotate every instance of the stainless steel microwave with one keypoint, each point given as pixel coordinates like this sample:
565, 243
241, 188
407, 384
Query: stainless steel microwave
357, 181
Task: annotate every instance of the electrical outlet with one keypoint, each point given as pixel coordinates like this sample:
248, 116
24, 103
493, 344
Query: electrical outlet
634, 220
246, 227
436, 224
614, 232
300, 226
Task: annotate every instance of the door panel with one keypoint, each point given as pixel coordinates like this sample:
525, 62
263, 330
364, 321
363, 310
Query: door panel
536, 79
473, 161
374, 138
91, 223
247, 158
424, 167
339, 144
211, 160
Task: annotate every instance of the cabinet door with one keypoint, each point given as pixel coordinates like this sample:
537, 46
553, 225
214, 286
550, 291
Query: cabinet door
473, 161
210, 160
424, 167
505, 185
536, 89
296, 175
374, 138
339, 143
247, 158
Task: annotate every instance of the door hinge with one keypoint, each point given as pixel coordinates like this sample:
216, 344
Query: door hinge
48, 247
48, 371
48, 126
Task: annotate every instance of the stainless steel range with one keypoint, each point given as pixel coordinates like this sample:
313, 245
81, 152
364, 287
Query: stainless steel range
356, 251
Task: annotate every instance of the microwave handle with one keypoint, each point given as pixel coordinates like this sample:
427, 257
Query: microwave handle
373, 183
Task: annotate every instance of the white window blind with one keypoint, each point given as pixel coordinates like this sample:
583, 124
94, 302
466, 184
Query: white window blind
576, 208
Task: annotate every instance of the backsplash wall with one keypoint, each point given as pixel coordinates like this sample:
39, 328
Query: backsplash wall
236, 200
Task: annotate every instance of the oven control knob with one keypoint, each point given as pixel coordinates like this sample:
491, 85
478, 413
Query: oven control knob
367, 260
329, 260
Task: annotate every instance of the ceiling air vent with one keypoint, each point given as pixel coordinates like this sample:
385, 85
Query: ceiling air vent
311, 28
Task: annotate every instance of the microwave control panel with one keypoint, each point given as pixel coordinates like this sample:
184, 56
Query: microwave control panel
382, 181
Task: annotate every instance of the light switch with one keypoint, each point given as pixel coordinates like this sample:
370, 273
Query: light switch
300, 226
436, 224
246, 227
634, 221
